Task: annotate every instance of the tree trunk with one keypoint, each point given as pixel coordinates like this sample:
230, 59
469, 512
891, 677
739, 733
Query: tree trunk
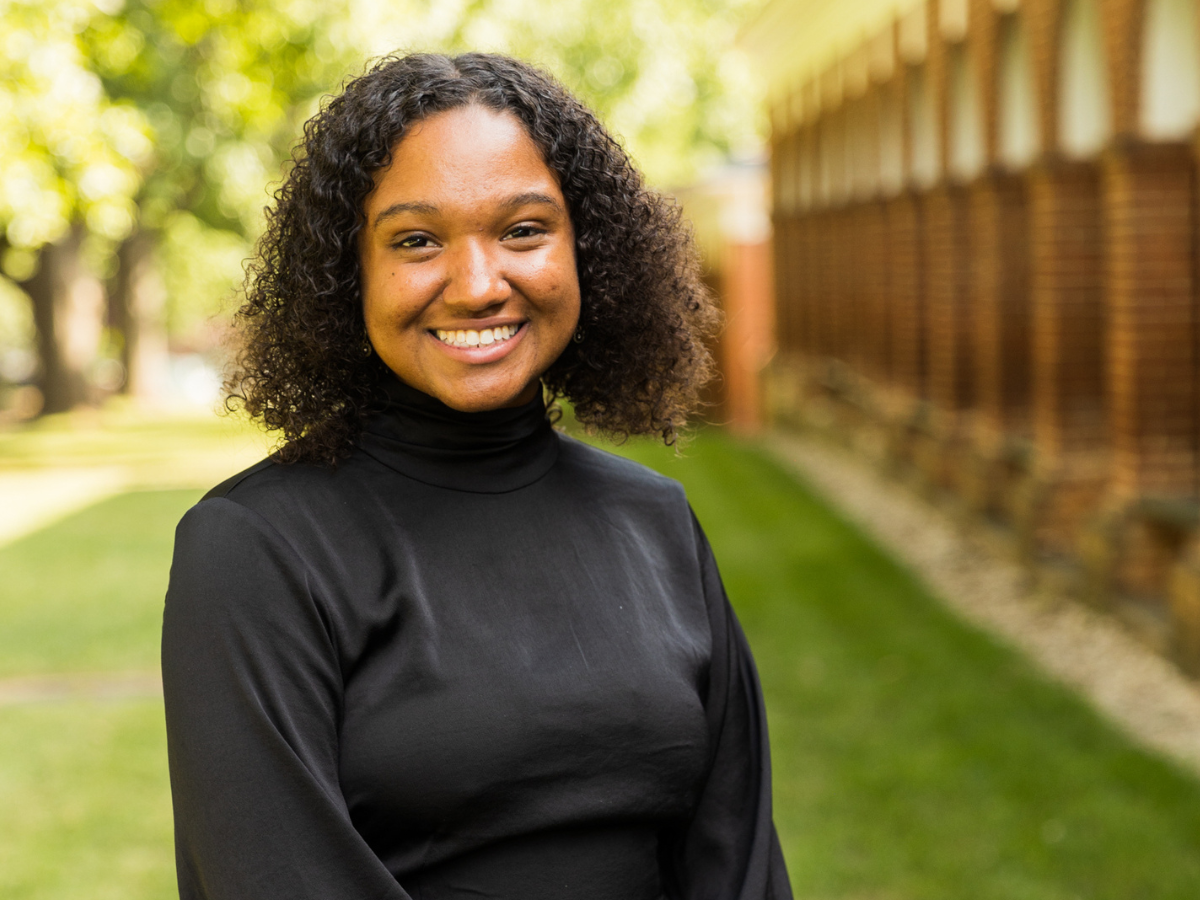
68, 304
136, 310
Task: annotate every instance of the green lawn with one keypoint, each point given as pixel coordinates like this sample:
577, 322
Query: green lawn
914, 758
86, 594
86, 807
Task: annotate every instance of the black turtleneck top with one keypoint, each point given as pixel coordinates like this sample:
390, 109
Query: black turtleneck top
478, 659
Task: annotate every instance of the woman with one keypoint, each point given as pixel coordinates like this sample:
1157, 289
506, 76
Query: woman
433, 648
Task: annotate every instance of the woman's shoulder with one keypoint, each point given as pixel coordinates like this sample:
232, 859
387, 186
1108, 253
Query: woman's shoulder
279, 493
613, 472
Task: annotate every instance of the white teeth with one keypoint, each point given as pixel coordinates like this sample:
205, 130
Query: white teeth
473, 338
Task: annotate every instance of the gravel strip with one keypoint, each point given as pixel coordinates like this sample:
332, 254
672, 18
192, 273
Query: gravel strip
1131, 685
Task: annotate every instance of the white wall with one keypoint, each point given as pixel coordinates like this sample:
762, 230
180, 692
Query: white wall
891, 144
1018, 139
966, 117
1170, 99
926, 165
1084, 115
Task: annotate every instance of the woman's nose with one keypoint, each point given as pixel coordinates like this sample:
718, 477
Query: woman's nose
476, 279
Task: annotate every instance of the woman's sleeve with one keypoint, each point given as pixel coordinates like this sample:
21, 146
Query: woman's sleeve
729, 849
253, 691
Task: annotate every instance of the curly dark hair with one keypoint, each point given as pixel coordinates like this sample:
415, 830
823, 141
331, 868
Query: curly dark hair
304, 367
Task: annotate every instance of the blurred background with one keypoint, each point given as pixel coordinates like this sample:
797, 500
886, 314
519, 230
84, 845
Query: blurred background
956, 244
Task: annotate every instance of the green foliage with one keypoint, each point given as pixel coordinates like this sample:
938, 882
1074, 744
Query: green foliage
16, 319
662, 74
224, 86
202, 268
68, 150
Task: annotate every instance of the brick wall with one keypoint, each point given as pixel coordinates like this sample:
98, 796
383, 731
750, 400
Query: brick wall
1054, 307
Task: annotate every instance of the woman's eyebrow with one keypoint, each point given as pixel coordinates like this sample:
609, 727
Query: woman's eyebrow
531, 197
398, 208
517, 200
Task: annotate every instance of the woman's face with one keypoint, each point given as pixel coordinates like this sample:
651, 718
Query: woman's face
468, 261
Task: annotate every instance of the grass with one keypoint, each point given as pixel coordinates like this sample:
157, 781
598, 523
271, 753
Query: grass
915, 759
122, 434
87, 594
86, 805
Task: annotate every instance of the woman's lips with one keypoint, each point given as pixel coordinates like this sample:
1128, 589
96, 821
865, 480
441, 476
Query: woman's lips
479, 345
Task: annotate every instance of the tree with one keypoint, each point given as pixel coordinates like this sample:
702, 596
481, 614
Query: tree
224, 86
68, 173
662, 74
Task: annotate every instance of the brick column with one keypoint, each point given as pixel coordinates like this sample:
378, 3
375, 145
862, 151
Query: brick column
876, 318
999, 222
841, 253
1152, 320
1151, 306
809, 277
948, 332
906, 336
825, 299
787, 284
906, 321
1066, 284
842, 301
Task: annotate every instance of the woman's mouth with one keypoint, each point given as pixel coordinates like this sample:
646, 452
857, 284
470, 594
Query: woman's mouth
471, 337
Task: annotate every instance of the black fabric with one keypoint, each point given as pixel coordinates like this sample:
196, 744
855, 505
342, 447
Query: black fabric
478, 659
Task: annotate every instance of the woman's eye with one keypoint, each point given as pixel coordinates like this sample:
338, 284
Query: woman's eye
413, 242
524, 231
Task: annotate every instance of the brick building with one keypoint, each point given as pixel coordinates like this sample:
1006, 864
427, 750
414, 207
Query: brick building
986, 244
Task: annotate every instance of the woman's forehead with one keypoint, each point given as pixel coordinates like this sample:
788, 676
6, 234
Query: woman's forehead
467, 154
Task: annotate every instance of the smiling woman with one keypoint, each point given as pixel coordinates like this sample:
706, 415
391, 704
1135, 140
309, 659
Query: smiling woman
432, 648
307, 368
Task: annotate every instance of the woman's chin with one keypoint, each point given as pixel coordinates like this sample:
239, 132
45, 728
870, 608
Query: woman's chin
484, 398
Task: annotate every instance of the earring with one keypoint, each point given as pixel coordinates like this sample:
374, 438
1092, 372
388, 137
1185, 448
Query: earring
578, 337
366, 348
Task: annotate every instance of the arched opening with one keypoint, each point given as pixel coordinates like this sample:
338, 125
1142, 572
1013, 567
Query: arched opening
867, 138
966, 117
891, 143
1170, 78
785, 172
824, 154
1018, 138
922, 116
805, 179
1084, 117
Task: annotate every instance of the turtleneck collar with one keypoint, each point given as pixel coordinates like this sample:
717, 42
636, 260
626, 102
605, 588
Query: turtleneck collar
488, 452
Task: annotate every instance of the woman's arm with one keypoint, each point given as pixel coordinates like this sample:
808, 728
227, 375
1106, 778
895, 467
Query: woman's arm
253, 691
729, 849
